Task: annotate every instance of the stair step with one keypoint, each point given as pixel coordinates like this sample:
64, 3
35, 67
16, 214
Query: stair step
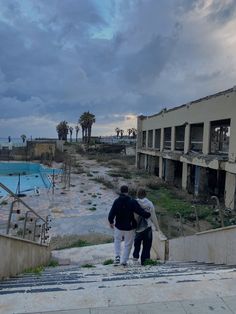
74, 277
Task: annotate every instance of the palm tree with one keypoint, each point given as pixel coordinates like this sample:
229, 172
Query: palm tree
129, 131
77, 128
117, 132
62, 130
121, 133
71, 131
23, 137
134, 132
86, 120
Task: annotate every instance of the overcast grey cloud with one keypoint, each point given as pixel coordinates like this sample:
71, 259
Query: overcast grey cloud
116, 58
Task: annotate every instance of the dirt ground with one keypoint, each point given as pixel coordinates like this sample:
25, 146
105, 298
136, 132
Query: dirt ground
79, 208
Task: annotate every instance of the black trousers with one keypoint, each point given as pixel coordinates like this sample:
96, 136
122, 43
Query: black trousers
144, 238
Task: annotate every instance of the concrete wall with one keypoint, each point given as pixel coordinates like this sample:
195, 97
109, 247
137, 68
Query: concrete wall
159, 246
221, 106
18, 255
37, 149
213, 246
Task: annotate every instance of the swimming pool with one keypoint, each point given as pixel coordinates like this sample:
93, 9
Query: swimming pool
24, 177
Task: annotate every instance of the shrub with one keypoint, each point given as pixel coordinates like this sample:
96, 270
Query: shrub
87, 266
108, 262
105, 182
151, 262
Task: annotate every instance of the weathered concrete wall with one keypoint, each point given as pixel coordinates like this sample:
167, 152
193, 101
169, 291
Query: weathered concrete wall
18, 255
230, 190
159, 246
212, 246
220, 106
37, 149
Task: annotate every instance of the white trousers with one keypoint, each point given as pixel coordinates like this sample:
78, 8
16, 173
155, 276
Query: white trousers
128, 237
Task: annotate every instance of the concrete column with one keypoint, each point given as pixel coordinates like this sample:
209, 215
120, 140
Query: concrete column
162, 140
173, 138
206, 138
137, 157
170, 171
186, 138
184, 176
203, 180
160, 167
230, 188
153, 139
145, 162
232, 141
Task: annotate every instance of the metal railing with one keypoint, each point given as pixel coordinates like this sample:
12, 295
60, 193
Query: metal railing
34, 226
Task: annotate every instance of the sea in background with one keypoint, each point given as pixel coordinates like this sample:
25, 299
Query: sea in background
13, 139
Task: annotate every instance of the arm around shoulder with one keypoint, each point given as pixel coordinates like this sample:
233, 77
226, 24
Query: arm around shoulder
139, 210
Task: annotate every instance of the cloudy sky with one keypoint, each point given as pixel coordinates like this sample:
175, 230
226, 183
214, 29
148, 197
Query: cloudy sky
115, 58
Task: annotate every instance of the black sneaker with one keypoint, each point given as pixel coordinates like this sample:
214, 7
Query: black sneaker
124, 264
117, 260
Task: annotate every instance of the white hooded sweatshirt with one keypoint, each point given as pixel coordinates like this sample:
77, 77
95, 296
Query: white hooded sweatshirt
146, 223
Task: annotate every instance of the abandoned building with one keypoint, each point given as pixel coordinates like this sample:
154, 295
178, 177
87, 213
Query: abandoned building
193, 146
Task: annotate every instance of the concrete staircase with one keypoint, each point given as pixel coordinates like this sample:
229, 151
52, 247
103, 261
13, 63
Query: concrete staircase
109, 289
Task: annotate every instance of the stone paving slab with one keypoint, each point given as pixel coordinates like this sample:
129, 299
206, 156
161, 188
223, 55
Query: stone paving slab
206, 306
216, 305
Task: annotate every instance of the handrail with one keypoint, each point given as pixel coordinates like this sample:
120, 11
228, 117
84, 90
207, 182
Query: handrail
20, 200
44, 224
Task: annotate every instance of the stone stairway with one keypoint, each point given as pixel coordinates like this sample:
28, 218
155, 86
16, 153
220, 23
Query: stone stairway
103, 287
66, 278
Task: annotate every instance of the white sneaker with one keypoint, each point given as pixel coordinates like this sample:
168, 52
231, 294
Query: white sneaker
117, 261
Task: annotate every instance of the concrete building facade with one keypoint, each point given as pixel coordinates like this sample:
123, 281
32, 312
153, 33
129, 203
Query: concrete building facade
193, 146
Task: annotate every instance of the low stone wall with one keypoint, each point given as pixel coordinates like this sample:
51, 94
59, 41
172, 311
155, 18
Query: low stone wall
18, 255
159, 246
213, 246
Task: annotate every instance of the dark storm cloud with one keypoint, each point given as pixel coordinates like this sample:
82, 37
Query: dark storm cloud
223, 12
61, 58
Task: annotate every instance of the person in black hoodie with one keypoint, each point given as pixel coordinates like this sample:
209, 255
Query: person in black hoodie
122, 212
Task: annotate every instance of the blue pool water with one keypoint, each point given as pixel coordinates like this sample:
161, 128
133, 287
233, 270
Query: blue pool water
23, 177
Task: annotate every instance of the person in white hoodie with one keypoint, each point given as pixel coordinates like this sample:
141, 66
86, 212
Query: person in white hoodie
144, 228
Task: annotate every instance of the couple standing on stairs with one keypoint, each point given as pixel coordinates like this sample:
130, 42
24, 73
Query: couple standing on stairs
133, 223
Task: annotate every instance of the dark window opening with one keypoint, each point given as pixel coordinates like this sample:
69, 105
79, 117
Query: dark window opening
157, 138
220, 135
150, 138
179, 138
167, 138
178, 167
144, 139
196, 137
216, 182
141, 164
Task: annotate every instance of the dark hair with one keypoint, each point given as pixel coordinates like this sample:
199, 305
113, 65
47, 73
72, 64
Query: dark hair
124, 189
141, 193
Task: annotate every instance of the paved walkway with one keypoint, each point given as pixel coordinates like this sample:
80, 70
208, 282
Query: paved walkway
172, 288
217, 305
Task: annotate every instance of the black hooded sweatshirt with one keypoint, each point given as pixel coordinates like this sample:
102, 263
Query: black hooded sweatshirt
123, 210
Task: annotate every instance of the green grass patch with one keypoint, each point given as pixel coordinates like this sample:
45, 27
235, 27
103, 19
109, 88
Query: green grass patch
3, 203
37, 270
108, 184
151, 262
88, 266
108, 262
92, 208
120, 173
53, 263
